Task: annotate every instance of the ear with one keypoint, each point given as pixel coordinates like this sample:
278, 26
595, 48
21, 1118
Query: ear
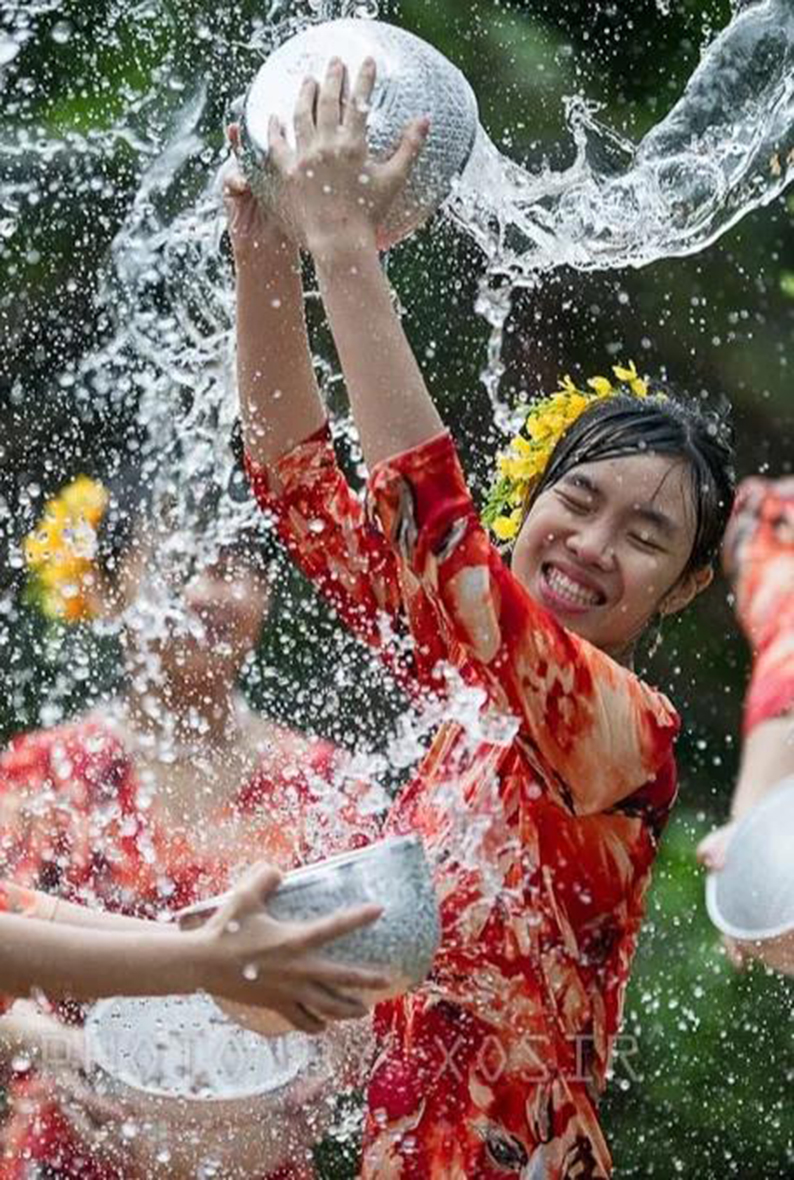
689, 586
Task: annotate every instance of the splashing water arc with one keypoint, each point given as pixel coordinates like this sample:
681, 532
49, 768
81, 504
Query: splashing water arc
725, 148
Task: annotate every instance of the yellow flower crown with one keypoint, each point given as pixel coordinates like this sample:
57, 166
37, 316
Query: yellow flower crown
61, 549
526, 458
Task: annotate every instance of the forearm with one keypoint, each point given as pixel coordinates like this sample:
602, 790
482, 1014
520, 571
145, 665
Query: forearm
280, 402
767, 759
391, 404
93, 963
34, 904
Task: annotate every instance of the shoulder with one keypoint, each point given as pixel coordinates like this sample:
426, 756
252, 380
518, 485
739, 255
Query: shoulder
76, 750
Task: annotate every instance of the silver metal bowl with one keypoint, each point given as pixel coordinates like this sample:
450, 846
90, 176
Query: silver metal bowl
413, 79
752, 898
393, 873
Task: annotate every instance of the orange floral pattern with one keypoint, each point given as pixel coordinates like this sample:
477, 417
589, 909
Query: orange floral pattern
759, 554
561, 785
75, 821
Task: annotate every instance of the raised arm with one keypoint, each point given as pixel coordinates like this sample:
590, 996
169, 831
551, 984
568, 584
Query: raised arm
588, 718
290, 456
280, 402
338, 196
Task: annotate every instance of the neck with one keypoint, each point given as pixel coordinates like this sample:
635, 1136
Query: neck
172, 715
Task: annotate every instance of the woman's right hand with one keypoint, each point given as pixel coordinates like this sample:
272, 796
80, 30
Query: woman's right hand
247, 956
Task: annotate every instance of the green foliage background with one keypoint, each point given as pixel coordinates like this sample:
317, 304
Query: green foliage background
708, 1092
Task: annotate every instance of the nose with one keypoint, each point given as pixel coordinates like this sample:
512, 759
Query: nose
592, 544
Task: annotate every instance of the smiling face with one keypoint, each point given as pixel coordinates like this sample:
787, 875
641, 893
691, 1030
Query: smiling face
605, 548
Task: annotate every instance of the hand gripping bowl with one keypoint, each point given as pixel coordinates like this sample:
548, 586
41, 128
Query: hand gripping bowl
413, 79
752, 898
216, 1093
392, 873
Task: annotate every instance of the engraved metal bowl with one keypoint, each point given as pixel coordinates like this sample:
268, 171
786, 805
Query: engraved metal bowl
413, 79
393, 873
752, 898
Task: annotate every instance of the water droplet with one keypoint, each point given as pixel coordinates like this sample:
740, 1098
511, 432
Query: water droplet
8, 50
61, 32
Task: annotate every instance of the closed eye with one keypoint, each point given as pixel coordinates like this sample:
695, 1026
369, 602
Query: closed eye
646, 543
577, 506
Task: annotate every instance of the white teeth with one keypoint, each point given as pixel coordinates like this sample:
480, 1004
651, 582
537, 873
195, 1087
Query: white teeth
565, 587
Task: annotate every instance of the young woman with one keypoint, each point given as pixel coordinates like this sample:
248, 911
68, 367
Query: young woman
493, 1067
758, 558
157, 800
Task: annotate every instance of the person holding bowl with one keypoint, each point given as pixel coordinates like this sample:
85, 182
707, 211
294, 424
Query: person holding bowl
609, 508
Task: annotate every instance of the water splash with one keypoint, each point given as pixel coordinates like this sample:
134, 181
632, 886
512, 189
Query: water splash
726, 148
166, 295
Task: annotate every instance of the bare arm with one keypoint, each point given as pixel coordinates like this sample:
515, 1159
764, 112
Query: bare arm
85, 959
767, 759
338, 195
391, 404
280, 402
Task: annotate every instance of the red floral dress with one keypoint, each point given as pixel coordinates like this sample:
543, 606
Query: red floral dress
760, 549
75, 821
493, 1066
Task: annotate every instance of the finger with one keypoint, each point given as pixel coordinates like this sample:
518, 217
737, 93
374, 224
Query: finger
357, 110
235, 184
322, 930
251, 893
278, 145
305, 1020
735, 954
345, 96
329, 105
233, 135
304, 114
341, 975
410, 148
332, 1005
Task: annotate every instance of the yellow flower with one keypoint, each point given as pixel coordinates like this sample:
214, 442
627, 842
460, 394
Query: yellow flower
601, 385
629, 376
626, 373
60, 551
528, 454
506, 527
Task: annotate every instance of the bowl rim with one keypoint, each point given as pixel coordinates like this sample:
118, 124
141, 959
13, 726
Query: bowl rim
759, 814
196, 1101
306, 874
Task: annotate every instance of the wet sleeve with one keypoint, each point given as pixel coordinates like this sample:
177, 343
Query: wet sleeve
323, 525
604, 732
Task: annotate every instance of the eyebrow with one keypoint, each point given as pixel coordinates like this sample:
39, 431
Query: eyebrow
653, 516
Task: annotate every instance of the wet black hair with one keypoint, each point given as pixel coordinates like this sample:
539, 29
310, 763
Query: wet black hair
678, 425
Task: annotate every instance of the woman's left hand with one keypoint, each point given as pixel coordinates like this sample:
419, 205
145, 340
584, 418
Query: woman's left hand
338, 194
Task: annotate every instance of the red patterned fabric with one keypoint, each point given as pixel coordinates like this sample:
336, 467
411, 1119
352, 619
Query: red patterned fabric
75, 821
493, 1066
760, 551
